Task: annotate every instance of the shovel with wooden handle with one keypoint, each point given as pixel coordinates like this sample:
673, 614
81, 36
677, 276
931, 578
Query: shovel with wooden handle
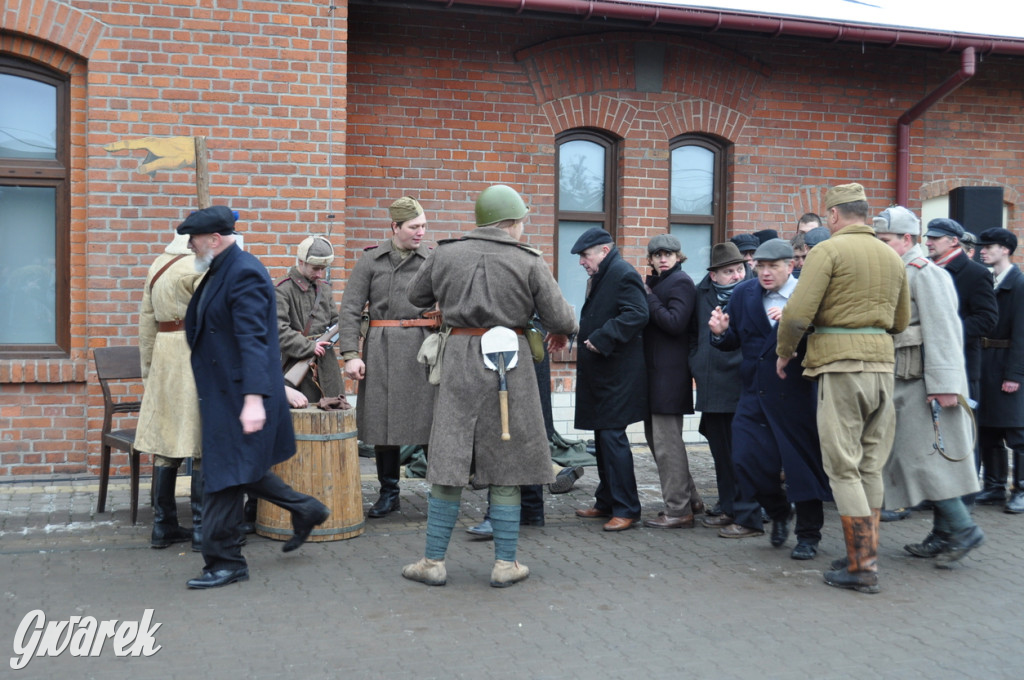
500, 348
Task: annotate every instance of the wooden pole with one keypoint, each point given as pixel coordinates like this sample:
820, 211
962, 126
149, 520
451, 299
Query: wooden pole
202, 174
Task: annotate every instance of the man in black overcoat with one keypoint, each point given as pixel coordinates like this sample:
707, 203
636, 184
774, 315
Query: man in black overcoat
231, 327
611, 380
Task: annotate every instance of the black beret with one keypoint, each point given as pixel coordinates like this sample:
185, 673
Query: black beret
999, 236
594, 236
218, 219
746, 242
765, 235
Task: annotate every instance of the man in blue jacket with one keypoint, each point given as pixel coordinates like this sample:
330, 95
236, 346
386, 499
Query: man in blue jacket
767, 437
611, 380
231, 327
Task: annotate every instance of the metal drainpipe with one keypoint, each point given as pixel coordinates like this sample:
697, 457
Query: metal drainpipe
967, 63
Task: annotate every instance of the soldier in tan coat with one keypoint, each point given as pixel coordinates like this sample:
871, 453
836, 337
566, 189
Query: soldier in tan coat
396, 402
169, 426
484, 280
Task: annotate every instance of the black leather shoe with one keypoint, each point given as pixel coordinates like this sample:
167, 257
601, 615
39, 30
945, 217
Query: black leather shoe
304, 526
804, 550
221, 577
893, 515
993, 495
960, 543
385, 505
565, 479
780, 531
535, 521
934, 543
1015, 506
715, 510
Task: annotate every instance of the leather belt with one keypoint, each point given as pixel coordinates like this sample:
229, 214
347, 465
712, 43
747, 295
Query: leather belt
989, 343
478, 331
404, 323
170, 326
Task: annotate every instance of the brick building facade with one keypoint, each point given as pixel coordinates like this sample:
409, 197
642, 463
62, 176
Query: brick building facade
317, 116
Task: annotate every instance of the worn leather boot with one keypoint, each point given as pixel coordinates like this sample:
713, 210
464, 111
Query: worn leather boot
993, 479
388, 467
166, 530
934, 543
960, 543
861, 535
428, 571
1015, 505
196, 501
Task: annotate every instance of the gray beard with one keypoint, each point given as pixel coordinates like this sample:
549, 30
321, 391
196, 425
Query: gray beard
203, 262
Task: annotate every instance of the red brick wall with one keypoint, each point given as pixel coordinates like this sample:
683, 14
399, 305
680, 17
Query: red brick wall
263, 82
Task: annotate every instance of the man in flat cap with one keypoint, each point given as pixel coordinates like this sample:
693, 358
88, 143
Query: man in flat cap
930, 398
305, 309
231, 328
767, 438
1001, 412
854, 291
396, 401
611, 380
747, 243
481, 281
717, 374
978, 310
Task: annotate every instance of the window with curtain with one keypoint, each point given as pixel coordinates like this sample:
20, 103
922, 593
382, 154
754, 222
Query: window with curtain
34, 179
585, 198
696, 198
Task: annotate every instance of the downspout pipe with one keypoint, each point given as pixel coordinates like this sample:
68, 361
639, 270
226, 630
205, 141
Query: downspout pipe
966, 72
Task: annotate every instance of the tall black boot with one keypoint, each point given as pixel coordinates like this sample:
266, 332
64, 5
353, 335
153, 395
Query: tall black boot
389, 465
249, 516
165, 511
1016, 503
993, 490
197, 506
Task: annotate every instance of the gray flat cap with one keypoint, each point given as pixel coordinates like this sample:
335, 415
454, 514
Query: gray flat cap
774, 249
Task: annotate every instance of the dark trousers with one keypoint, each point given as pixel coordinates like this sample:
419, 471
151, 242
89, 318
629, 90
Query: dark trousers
991, 441
223, 516
717, 429
616, 490
810, 515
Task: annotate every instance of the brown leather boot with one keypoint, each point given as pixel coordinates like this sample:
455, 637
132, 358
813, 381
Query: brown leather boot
861, 534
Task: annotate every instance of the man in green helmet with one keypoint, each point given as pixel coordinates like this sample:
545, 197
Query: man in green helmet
486, 279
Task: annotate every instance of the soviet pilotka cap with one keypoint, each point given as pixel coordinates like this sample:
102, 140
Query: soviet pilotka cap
217, 219
844, 193
897, 220
404, 209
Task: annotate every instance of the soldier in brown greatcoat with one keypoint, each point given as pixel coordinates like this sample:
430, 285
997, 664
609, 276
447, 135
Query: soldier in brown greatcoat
305, 309
396, 402
483, 280
169, 419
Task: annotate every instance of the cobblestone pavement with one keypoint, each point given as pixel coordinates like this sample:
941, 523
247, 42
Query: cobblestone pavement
645, 603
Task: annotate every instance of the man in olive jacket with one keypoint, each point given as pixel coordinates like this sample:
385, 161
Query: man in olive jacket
611, 380
854, 291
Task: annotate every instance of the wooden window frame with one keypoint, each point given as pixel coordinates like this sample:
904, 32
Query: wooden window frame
717, 217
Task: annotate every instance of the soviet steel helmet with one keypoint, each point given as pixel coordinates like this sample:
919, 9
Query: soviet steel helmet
499, 202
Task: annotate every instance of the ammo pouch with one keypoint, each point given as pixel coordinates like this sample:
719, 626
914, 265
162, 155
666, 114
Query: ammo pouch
909, 354
430, 353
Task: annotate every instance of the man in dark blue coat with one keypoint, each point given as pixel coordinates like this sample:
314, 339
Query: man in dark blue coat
774, 429
231, 327
611, 382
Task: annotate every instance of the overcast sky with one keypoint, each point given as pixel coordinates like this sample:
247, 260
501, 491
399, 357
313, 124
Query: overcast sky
984, 17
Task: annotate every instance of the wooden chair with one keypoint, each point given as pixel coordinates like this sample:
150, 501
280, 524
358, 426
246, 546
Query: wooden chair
117, 364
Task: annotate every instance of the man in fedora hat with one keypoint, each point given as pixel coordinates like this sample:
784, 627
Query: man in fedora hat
854, 291
717, 374
767, 439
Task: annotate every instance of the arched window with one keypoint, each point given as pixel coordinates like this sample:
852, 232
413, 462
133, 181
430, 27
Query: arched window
34, 211
584, 198
696, 199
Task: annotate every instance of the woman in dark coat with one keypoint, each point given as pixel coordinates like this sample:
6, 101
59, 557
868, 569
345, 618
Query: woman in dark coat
671, 297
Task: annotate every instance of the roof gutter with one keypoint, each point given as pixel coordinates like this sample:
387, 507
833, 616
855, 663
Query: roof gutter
718, 20
967, 63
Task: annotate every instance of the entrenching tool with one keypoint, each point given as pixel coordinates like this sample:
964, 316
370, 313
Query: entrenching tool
500, 348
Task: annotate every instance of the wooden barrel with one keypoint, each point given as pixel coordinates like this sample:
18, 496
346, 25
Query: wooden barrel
326, 466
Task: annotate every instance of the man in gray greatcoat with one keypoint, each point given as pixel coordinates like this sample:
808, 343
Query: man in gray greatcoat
611, 378
481, 281
396, 402
305, 309
929, 395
